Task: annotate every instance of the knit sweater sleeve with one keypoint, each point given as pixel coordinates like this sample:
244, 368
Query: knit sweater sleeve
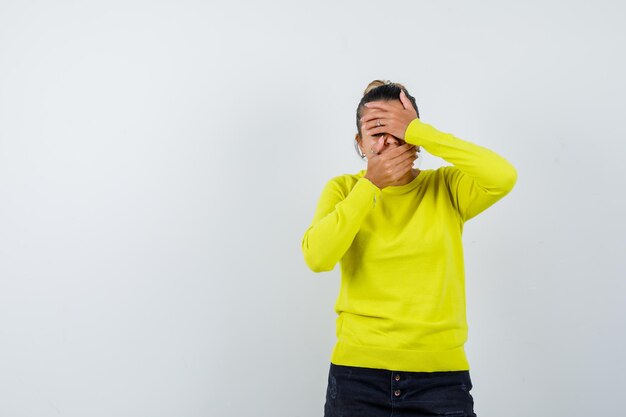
478, 178
337, 220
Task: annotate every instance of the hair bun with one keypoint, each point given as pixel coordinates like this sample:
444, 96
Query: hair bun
377, 83
374, 84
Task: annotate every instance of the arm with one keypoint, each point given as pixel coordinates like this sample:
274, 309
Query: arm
336, 222
479, 178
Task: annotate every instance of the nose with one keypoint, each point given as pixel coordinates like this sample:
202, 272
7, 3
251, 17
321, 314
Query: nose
391, 140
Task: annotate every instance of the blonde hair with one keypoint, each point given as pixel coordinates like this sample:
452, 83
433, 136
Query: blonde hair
378, 83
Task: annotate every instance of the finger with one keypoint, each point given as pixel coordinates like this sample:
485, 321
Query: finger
405, 156
377, 147
412, 156
375, 130
400, 170
379, 105
399, 150
406, 165
380, 144
375, 124
405, 100
373, 115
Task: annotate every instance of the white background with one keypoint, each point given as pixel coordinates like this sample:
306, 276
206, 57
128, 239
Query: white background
161, 160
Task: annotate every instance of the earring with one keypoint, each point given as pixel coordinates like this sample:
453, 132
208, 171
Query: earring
358, 150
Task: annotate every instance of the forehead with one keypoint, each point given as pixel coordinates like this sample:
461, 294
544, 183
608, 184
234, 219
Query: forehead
394, 103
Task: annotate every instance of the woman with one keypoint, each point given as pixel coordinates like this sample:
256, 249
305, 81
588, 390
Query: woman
401, 325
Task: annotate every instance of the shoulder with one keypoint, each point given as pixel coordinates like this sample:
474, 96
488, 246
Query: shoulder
345, 182
442, 174
449, 173
446, 177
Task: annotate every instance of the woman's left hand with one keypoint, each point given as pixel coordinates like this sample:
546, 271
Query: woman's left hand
392, 120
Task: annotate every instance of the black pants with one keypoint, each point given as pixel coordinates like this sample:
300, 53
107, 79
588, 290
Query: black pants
366, 392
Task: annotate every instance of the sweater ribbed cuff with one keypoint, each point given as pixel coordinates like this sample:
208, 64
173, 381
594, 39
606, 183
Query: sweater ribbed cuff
419, 133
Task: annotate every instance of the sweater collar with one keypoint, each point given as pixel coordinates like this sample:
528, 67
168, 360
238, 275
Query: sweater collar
401, 189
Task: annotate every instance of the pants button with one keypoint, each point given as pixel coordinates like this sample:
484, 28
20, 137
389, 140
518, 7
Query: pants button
397, 377
397, 393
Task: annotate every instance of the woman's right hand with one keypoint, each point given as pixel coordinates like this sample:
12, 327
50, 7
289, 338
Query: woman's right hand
386, 168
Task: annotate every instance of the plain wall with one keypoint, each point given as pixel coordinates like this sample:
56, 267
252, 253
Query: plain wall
161, 160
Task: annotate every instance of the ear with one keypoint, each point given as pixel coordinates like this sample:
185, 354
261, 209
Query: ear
358, 139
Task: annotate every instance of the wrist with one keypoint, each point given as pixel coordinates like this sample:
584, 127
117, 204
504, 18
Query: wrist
370, 180
413, 133
421, 134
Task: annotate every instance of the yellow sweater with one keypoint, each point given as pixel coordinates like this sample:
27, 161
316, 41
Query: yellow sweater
401, 305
